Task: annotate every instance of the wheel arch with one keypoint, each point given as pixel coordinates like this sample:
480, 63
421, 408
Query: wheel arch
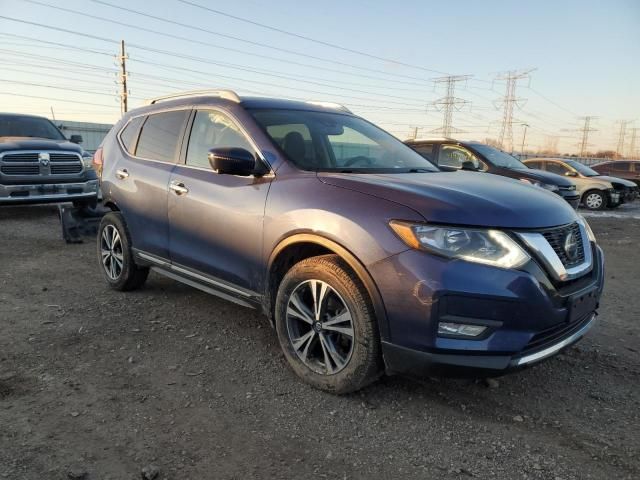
305, 245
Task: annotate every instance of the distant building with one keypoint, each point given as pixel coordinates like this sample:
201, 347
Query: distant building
92, 133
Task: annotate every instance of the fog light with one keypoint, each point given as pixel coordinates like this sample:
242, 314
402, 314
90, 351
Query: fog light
450, 328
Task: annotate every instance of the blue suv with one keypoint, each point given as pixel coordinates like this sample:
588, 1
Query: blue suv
364, 255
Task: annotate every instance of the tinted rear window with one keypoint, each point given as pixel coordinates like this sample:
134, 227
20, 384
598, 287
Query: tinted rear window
160, 135
129, 134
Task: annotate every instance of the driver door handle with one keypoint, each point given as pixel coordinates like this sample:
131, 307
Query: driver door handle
178, 188
122, 173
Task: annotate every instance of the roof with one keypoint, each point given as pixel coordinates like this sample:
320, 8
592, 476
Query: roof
22, 115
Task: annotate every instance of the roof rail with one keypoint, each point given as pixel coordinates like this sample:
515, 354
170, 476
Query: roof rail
226, 94
330, 105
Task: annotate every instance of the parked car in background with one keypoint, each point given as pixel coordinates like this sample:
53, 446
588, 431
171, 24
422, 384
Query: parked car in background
452, 154
596, 191
627, 169
38, 164
365, 255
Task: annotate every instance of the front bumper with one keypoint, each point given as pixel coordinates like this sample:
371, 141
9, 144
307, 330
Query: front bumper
531, 316
48, 193
415, 362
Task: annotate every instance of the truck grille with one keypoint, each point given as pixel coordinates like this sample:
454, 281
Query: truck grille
28, 164
20, 169
556, 238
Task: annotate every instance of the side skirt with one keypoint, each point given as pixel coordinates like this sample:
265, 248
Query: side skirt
199, 280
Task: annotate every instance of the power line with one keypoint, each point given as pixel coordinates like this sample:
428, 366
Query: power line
57, 99
303, 37
238, 39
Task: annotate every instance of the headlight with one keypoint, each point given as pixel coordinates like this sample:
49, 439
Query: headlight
587, 227
547, 186
87, 160
489, 247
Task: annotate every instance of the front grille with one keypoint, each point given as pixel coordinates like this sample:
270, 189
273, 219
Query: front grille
65, 169
63, 157
556, 238
29, 164
20, 169
21, 157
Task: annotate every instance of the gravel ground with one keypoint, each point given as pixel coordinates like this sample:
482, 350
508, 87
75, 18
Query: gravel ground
96, 384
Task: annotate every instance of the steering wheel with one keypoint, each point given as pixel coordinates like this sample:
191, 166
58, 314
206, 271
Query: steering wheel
359, 159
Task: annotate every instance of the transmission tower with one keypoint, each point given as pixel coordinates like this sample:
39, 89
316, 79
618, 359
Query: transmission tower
632, 144
449, 103
508, 101
622, 133
585, 130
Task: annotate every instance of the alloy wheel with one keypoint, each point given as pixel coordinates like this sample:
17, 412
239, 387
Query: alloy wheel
111, 252
320, 327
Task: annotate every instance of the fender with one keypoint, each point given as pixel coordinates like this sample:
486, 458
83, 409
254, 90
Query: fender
352, 261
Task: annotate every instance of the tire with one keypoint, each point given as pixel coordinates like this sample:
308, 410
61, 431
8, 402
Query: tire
115, 257
595, 200
341, 352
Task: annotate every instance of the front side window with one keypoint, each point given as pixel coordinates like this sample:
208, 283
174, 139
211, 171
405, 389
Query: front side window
619, 166
22, 126
213, 129
160, 136
327, 141
455, 156
537, 165
557, 168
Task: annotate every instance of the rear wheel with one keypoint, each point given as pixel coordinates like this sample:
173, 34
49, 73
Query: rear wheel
326, 326
115, 256
595, 200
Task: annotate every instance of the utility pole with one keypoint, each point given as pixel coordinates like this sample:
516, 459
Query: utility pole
123, 79
449, 103
622, 133
413, 133
586, 129
524, 136
507, 102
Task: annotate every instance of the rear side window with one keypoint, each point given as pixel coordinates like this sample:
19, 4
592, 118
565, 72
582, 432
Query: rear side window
619, 166
129, 134
537, 165
425, 150
160, 136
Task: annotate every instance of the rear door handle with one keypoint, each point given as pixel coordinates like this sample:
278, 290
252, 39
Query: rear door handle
178, 188
122, 173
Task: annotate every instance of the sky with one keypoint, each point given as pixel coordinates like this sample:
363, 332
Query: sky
379, 58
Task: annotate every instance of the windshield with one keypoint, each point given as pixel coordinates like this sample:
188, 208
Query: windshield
499, 158
324, 141
583, 169
19, 126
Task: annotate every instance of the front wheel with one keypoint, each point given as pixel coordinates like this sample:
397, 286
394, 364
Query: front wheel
595, 200
326, 326
115, 255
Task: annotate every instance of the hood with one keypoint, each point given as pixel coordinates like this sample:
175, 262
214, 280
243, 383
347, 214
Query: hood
463, 198
31, 143
544, 177
621, 181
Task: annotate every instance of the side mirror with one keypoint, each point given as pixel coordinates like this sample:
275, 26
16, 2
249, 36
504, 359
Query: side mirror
232, 161
75, 138
469, 165
570, 174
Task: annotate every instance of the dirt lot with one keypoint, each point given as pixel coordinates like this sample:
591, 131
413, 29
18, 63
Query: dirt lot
97, 384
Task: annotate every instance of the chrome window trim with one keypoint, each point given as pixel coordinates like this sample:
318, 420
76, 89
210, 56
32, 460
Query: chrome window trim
536, 242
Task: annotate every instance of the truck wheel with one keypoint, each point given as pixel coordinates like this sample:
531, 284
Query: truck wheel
115, 256
326, 326
595, 200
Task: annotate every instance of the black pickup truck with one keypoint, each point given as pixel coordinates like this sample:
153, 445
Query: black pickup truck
38, 164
